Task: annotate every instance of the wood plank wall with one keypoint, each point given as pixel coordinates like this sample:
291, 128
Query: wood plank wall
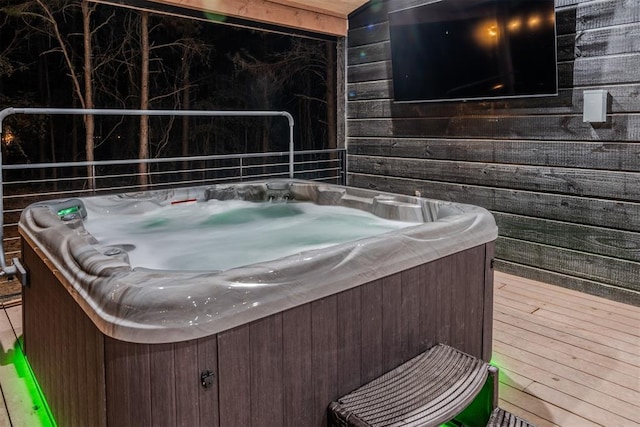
565, 194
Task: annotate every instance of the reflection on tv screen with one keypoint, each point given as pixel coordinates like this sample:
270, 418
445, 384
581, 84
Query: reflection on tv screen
470, 49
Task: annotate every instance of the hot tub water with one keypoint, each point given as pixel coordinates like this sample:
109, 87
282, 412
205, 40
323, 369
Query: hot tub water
220, 235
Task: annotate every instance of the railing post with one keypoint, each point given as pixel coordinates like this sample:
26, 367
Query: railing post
92, 178
343, 166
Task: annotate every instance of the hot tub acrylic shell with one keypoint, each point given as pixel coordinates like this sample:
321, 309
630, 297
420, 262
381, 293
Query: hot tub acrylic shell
301, 330
140, 305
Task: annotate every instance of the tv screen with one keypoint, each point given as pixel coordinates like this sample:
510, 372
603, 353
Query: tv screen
474, 49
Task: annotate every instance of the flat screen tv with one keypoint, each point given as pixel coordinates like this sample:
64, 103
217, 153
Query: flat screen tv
474, 49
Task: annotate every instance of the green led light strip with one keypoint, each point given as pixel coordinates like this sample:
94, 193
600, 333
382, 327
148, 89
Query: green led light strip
479, 410
35, 395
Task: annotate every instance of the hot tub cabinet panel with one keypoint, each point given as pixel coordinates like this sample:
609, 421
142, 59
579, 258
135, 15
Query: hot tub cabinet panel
64, 348
280, 370
281, 367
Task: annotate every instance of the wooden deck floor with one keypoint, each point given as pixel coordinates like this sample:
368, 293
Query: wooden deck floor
565, 358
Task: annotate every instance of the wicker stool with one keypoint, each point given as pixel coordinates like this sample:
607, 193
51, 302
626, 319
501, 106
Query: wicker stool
502, 418
428, 390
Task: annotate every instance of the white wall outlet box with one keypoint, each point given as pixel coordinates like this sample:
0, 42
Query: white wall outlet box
595, 106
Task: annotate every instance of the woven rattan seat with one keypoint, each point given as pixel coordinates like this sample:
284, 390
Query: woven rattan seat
428, 390
502, 418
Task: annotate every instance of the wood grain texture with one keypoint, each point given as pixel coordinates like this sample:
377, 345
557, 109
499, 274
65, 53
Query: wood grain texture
163, 388
127, 384
487, 308
596, 212
318, 17
297, 366
563, 368
614, 293
372, 33
607, 270
623, 156
411, 282
391, 322
576, 182
372, 342
208, 397
267, 407
428, 292
324, 342
588, 239
608, 41
380, 51
349, 340
70, 375
608, 13
605, 70
234, 376
187, 384
535, 127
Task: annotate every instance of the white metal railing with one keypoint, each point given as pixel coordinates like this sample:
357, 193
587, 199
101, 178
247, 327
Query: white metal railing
23, 184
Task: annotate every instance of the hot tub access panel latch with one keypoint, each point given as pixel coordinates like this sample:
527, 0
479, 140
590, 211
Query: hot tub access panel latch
206, 379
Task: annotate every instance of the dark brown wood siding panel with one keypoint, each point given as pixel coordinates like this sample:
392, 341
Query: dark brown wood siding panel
234, 377
187, 375
208, 361
371, 305
487, 323
391, 322
267, 396
128, 377
324, 359
163, 391
428, 312
349, 340
470, 299
444, 295
63, 347
411, 342
297, 354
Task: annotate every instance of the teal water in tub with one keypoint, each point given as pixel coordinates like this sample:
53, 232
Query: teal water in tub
220, 235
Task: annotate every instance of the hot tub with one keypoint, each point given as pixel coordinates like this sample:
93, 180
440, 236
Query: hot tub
151, 308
